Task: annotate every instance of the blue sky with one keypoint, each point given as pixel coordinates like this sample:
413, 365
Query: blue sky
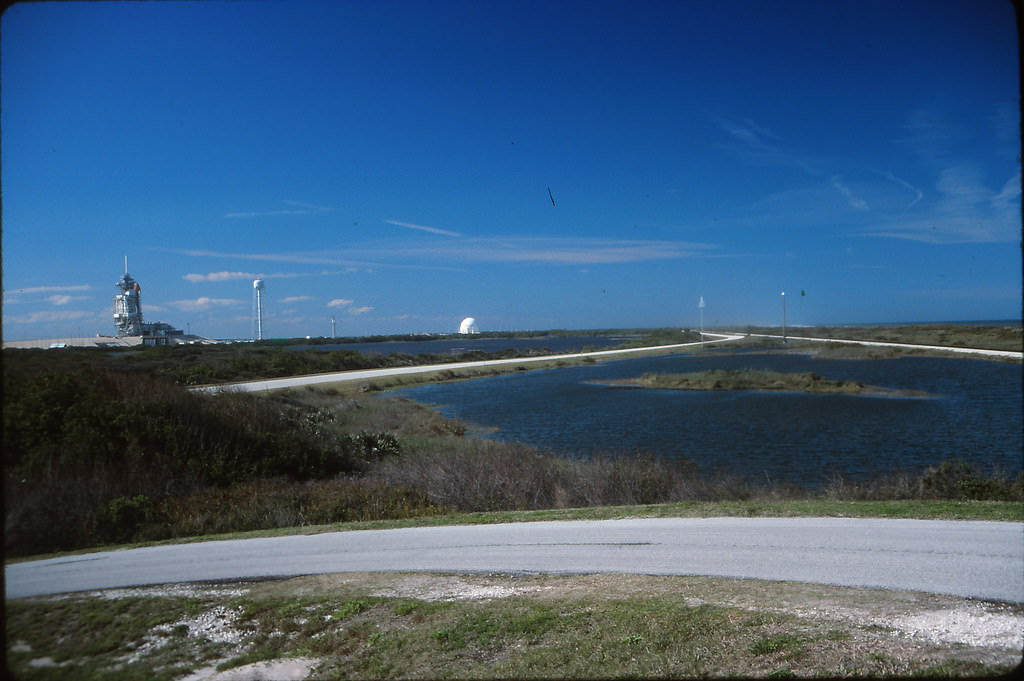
389, 164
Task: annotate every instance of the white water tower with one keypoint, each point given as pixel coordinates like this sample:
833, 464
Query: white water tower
257, 285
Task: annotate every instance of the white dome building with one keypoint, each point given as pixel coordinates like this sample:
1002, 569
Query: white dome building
468, 325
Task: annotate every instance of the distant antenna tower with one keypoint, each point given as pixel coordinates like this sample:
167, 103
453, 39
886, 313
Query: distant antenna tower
257, 285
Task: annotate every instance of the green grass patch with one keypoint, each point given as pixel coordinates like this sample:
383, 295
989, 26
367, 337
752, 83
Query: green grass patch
775, 644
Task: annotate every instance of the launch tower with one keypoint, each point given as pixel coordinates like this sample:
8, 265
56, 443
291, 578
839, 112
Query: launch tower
128, 306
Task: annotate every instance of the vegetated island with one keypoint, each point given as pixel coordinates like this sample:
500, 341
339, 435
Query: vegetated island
754, 379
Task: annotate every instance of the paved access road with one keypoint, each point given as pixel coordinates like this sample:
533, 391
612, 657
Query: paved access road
966, 558
1005, 354
371, 374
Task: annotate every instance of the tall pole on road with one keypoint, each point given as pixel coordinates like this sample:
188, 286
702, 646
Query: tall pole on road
701, 306
783, 316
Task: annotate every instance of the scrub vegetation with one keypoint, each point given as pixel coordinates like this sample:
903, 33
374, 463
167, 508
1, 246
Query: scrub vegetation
754, 379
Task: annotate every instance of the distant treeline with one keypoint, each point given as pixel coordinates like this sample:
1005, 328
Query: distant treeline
226, 362
210, 364
414, 337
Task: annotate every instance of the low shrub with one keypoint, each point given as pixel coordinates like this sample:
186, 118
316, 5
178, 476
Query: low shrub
267, 504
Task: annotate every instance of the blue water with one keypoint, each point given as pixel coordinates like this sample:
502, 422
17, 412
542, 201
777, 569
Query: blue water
795, 437
454, 346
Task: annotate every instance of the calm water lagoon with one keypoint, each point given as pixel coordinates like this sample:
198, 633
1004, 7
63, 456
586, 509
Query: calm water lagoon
795, 437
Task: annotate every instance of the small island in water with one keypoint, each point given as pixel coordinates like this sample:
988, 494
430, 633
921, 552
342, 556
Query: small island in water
754, 379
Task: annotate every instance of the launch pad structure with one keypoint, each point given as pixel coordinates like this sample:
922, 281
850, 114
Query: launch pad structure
131, 329
128, 315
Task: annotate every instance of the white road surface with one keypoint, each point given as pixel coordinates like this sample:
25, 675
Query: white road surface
371, 374
982, 560
1007, 354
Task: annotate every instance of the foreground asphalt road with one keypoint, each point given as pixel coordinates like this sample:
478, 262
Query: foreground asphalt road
965, 558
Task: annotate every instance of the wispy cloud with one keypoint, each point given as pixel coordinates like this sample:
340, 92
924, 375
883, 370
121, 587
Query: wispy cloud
217, 276
757, 145
204, 303
1005, 123
48, 316
231, 276
932, 136
359, 310
59, 299
296, 299
423, 228
557, 250
339, 302
50, 289
314, 258
900, 181
855, 202
297, 208
967, 211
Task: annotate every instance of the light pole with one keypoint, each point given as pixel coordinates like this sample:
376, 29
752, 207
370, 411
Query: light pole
783, 316
701, 306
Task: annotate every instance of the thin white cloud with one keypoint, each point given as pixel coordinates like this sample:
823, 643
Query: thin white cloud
558, 250
1005, 122
339, 302
50, 289
300, 258
359, 310
298, 208
204, 303
900, 181
321, 258
48, 316
296, 299
966, 212
564, 250
60, 299
855, 201
757, 145
217, 276
423, 228
931, 136
231, 276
